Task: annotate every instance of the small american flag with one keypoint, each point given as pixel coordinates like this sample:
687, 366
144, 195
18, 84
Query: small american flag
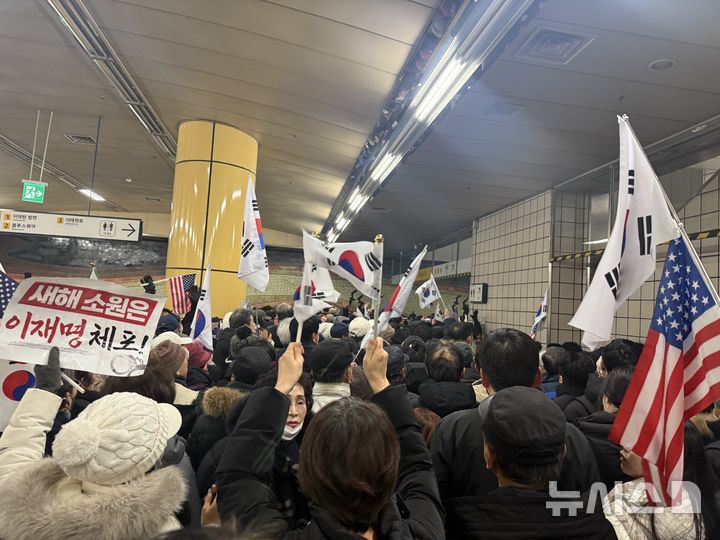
179, 286
7, 289
677, 376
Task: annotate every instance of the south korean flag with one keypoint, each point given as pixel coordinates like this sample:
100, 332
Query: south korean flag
643, 220
253, 257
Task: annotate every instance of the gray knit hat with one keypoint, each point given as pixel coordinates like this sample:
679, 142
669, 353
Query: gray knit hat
116, 439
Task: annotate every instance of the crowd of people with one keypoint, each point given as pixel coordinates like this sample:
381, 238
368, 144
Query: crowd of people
433, 430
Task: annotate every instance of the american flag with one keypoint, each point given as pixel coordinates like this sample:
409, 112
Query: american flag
7, 289
179, 286
677, 376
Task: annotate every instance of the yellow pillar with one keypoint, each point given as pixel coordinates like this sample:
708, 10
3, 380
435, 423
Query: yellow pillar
211, 172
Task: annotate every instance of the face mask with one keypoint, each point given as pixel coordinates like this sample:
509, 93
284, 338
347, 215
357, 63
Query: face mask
290, 433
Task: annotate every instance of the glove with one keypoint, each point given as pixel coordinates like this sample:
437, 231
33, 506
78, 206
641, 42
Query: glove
48, 377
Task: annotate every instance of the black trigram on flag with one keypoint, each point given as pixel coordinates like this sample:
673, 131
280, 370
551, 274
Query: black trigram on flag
631, 181
255, 205
306, 295
202, 295
266, 263
645, 234
247, 247
329, 250
372, 261
613, 279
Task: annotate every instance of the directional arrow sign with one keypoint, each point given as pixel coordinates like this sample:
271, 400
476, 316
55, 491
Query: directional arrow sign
70, 225
130, 230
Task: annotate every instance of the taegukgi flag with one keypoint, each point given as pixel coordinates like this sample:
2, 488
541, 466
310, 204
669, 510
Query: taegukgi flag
399, 298
358, 262
643, 220
306, 304
253, 257
540, 316
428, 292
201, 329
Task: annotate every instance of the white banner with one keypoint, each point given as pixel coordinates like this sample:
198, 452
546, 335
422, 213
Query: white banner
98, 326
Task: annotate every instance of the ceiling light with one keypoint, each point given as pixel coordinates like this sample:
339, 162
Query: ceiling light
91, 195
384, 167
663, 64
358, 203
592, 243
128, 180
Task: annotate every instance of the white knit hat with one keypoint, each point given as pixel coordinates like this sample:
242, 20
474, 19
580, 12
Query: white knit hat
170, 336
324, 330
115, 439
359, 326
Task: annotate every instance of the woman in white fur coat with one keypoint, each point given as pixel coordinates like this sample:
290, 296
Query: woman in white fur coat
97, 484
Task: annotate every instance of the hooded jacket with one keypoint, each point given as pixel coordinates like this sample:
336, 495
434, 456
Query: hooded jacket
210, 427
587, 403
38, 500
221, 351
459, 462
565, 394
596, 428
516, 513
444, 397
414, 512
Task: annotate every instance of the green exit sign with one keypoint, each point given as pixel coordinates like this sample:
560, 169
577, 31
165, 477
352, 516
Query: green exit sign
33, 192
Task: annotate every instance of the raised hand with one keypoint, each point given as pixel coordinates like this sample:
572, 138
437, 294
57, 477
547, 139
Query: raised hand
290, 368
375, 365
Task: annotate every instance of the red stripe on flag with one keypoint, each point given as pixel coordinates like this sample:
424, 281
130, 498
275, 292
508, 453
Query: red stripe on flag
652, 420
635, 387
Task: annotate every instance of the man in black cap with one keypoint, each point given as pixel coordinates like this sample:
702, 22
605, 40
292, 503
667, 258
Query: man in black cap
331, 363
524, 448
250, 364
508, 357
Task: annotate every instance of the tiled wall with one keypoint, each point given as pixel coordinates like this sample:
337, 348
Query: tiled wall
700, 214
511, 256
512, 249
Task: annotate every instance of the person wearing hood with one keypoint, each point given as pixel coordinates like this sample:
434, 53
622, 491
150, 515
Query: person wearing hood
331, 364
251, 363
89, 488
524, 447
283, 479
444, 393
551, 376
596, 427
364, 467
574, 369
210, 427
221, 350
508, 358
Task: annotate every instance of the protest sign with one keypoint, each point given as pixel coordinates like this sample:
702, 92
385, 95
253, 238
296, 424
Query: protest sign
98, 326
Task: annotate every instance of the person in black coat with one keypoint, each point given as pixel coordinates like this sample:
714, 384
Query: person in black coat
444, 393
210, 427
596, 427
508, 358
356, 455
283, 480
524, 446
240, 318
574, 368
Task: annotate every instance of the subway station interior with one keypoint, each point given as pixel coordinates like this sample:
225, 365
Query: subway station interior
482, 139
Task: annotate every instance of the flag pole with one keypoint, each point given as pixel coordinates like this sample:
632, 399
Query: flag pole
683, 233
379, 239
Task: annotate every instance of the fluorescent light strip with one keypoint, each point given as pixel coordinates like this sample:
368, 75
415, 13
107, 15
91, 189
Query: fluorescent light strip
91, 195
603, 241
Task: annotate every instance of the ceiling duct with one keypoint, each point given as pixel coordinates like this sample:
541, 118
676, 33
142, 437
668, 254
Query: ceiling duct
76, 18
